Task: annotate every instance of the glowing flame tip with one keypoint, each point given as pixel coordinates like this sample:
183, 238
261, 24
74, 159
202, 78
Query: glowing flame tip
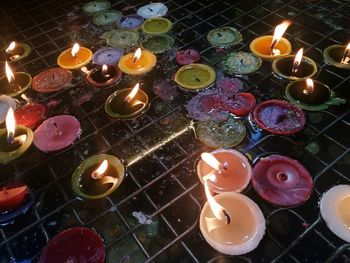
11, 47
132, 94
75, 50
137, 55
9, 73
101, 169
10, 124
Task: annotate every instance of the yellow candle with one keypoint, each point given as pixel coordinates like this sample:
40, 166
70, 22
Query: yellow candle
75, 57
137, 63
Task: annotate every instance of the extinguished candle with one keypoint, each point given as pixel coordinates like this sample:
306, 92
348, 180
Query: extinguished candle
75, 57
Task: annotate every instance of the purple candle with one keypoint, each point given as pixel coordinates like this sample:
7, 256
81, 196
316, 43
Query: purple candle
130, 21
107, 56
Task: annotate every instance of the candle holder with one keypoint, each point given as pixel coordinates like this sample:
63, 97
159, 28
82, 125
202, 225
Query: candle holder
82, 57
241, 63
158, 43
132, 21
321, 98
224, 37
152, 10
117, 107
122, 38
261, 47
283, 68
100, 78
235, 176
52, 80
85, 186
94, 7
156, 26
21, 83
107, 56
11, 151
107, 17
17, 52
133, 66
334, 54
6, 102
245, 231
195, 77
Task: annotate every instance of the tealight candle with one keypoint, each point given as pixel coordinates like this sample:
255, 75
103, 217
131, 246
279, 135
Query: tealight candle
104, 76
17, 51
138, 63
334, 206
231, 168
158, 43
231, 223
98, 176
157, 25
311, 95
130, 21
338, 56
31, 115
121, 38
241, 63
224, 37
127, 103
75, 57
78, 244
294, 67
6, 102
94, 7
107, 55
107, 17
271, 47
52, 80
14, 84
14, 140
152, 10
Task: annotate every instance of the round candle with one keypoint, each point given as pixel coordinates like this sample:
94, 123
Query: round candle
157, 25
245, 231
234, 176
57, 133
334, 206
224, 37
16, 51
194, 77
130, 21
78, 244
122, 38
31, 115
241, 63
334, 56
107, 56
282, 181
51, 80
158, 43
81, 57
261, 47
6, 102
136, 63
152, 10
94, 7
17, 86
12, 196
104, 76
107, 17
187, 56
111, 175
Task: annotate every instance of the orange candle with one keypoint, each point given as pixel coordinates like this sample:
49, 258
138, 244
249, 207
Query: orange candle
75, 57
137, 63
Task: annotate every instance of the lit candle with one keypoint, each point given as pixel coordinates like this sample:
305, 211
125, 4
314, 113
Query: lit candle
17, 51
231, 168
52, 80
338, 56
14, 140
231, 222
75, 57
271, 47
104, 76
138, 63
127, 103
97, 177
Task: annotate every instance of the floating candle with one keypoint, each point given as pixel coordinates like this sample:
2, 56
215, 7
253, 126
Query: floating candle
94, 7
311, 95
282, 181
338, 56
224, 37
75, 57
187, 56
194, 77
294, 67
152, 10
157, 25
231, 168
158, 43
98, 176
57, 133
241, 63
14, 84
127, 103
78, 244
122, 38
130, 21
271, 47
108, 17
104, 76
334, 206
51, 80
6, 102
17, 51
14, 140
31, 115
244, 231
138, 63
107, 55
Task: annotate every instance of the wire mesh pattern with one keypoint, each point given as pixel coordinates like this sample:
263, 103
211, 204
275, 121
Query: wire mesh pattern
159, 148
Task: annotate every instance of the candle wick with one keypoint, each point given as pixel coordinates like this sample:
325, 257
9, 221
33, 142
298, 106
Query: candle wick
106, 16
227, 217
242, 61
56, 128
197, 79
10, 139
219, 35
273, 46
150, 9
295, 67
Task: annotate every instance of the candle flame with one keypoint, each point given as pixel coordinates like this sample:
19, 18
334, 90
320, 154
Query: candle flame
85, 70
309, 86
297, 60
10, 124
11, 47
101, 169
277, 35
346, 57
132, 94
137, 102
75, 50
20, 139
9, 73
137, 55
212, 161
219, 212
23, 96
104, 69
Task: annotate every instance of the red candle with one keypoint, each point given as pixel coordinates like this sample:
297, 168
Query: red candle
51, 80
11, 196
30, 115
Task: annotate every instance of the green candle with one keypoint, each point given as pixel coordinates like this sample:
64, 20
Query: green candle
157, 25
224, 37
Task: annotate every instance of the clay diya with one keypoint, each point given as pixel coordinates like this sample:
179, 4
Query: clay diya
152, 10
158, 43
15, 140
138, 63
282, 181
231, 168
338, 56
17, 51
78, 244
187, 56
6, 102
278, 117
122, 38
75, 57
52, 80
312, 95
57, 133
194, 77
107, 17
30, 115
104, 76
156, 26
241, 63
107, 56
94, 7
127, 103
271, 47
294, 67
224, 37
97, 176
14, 84
334, 206
222, 134
130, 21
